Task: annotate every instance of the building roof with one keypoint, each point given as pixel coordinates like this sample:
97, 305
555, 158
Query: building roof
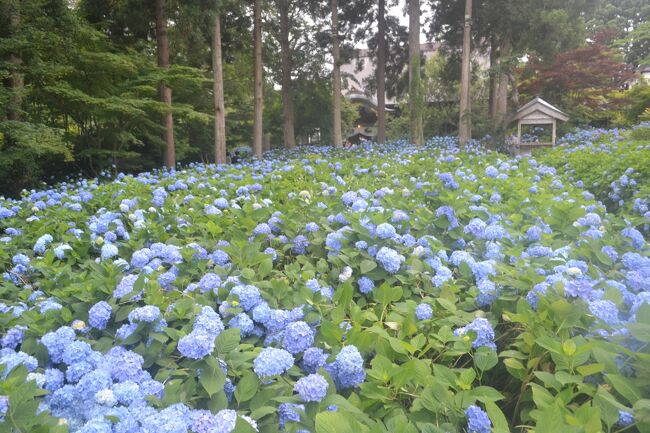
543, 107
361, 67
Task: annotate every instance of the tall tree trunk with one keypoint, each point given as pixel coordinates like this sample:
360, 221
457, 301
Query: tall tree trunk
512, 78
287, 91
415, 85
336, 77
219, 106
493, 83
259, 101
381, 72
502, 90
16, 81
465, 121
162, 46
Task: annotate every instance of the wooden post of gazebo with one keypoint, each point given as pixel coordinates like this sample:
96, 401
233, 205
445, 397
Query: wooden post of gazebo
538, 112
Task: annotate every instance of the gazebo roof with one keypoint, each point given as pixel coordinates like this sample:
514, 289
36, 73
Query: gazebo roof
543, 107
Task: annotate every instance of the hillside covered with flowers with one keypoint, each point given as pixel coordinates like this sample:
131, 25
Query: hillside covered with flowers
376, 289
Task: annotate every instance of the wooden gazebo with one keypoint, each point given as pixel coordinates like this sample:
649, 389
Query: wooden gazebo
538, 112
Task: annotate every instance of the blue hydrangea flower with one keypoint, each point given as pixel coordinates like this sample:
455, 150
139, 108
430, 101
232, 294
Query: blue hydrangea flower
635, 236
313, 359
313, 285
4, 406
389, 259
491, 171
347, 369
311, 227
140, 258
476, 227
298, 337
533, 234
449, 213
335, 240
57, 341
484, 333
605, 311
262, 229
300, 244
289, 412
220, 258
203, 421
311, 388
625, 418
109, 251
12, 359
78, 351
242, 322
477, 420
49, 305
366, 285
166, 279
20, 259
385, 231
448, 180
423, 311
487, 293
125, 331
148, 313
125, 286
123, 364
443, 274
13, 337
54, 379
271, 362
99, 315
249, 296
579, 289
42, 243
208, 321
196, 345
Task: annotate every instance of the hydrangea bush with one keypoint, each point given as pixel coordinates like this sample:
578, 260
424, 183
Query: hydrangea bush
613, 164
378, 289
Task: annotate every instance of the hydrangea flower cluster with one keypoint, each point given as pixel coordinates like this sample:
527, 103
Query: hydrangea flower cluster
484, 333
477, 420
200, 342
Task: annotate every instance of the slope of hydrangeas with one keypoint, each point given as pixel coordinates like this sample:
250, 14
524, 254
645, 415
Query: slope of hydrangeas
374, 289
613, 164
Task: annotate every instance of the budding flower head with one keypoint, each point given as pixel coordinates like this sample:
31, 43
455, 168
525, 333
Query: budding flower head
78, 325
345, 274
574, 271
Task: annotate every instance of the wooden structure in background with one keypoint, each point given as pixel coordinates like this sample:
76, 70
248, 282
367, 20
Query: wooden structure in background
538, 112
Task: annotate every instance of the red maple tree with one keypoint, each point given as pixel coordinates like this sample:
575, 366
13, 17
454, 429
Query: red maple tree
587, 77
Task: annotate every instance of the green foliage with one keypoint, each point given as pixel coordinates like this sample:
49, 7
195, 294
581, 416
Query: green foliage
603, 162
23, 414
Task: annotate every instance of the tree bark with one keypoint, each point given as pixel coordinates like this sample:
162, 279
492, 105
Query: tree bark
16, 80
493, 83
465, 121
287, 90
415, 85
336, 78
219, 106
381, 72
162, 47
502, 90
259, 101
